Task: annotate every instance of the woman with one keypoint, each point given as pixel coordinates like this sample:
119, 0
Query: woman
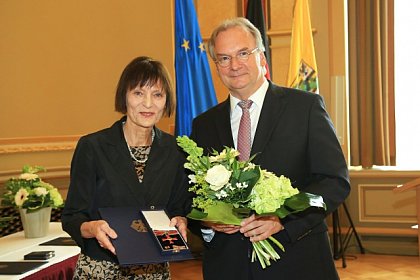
132, 163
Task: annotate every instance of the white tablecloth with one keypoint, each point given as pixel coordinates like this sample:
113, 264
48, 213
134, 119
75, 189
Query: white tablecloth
14, 246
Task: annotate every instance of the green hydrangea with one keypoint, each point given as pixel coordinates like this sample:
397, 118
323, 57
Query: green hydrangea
56, 197
270, 192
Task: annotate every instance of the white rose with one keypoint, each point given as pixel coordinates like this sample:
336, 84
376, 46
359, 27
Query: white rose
217, 177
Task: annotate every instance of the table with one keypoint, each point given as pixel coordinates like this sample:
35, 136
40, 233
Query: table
14, 246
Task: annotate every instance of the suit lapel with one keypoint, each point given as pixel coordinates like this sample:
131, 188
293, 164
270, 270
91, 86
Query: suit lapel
273, 106
222, 124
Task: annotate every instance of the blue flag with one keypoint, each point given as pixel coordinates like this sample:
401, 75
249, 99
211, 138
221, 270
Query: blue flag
194, 85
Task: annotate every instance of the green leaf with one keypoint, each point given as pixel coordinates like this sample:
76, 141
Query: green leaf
242, 212
282, 212
32, 169
303, 200
300, 202
196, 214
219, 212
251, 177
205, 163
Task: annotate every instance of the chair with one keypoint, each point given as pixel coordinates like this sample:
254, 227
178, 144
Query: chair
14, 224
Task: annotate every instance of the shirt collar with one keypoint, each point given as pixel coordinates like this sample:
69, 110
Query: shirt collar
257, 97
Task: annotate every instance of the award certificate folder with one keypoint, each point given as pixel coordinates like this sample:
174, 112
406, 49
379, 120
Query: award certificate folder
135, 243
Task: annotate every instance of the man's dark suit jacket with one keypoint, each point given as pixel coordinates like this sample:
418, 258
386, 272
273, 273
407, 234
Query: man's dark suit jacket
103, 175
295, 138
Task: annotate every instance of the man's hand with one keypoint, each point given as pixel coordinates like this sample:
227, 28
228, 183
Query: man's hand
260, 227
228, 229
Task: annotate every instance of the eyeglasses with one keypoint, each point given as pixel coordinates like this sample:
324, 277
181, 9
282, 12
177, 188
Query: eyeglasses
242, 56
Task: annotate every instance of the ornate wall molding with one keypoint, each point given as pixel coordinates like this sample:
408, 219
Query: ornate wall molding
52, 172
37, 144
383, 173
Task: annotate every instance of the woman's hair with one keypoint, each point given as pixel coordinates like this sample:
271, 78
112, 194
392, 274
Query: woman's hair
231, 23
144, 71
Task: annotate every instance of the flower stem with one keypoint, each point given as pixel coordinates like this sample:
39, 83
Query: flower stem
264, 251
270, 250
260, 257
275, 241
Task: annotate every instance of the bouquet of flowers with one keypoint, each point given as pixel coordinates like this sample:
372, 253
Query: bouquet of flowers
30, 192
228, 190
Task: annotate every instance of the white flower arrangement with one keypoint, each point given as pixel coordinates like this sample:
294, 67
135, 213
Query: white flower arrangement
28, 191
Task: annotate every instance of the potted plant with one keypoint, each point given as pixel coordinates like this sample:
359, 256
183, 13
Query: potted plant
34, 198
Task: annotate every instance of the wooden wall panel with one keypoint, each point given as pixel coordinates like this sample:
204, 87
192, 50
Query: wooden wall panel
280, 14
383, 218
211, 13
379, 204
280, 56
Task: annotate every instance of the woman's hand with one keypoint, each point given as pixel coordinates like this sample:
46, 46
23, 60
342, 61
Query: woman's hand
101, 231
181, 224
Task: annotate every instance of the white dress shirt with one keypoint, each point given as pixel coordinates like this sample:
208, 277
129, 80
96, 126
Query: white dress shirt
255, 111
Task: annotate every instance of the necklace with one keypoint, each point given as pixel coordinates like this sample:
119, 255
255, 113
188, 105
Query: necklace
146, 156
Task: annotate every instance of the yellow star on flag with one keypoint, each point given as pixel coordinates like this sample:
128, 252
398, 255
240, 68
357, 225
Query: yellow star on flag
186, 45
201, 47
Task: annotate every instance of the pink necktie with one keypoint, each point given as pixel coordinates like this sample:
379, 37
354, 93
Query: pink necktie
244, 133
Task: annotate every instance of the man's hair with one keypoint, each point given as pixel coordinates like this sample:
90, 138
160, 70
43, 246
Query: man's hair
231, 23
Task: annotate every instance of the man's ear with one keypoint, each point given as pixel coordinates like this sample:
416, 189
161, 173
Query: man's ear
263, 60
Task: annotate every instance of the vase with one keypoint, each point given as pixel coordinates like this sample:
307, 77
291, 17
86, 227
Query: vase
35, 224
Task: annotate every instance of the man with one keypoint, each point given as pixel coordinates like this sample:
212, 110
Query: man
292, 135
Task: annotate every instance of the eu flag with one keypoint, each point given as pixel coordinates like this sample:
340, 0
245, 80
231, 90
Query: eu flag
194, 85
